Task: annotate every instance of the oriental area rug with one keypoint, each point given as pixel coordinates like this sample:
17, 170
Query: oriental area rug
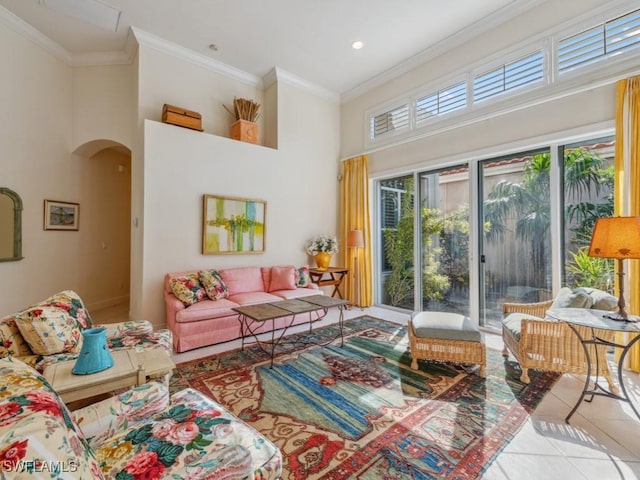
360, 412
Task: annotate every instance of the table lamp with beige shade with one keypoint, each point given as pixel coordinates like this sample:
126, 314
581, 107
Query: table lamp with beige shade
355, 240
618, 238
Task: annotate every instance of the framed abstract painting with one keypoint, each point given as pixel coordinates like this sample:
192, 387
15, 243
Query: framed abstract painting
61, 215
233, 225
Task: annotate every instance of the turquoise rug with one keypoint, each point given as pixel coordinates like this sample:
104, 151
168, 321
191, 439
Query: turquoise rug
360, 412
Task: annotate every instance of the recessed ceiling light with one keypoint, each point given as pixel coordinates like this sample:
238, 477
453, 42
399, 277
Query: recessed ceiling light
92, 11
357, 45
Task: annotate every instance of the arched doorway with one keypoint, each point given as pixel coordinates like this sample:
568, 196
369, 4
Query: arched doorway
106, 229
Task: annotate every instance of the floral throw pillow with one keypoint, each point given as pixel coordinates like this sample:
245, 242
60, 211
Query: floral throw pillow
49, 330
302, 276
71, 302
187, 289
12, 343
213, 285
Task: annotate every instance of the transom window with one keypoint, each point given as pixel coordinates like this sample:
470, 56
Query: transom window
393, 120
444, 101
594, 44
511, 76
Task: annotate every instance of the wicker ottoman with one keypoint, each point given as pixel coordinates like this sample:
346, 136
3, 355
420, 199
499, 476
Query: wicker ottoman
447, 337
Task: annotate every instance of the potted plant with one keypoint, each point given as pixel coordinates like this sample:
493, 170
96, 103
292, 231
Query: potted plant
245, 112
322, 247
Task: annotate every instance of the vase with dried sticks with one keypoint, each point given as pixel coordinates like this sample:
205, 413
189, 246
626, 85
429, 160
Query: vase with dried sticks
245, 112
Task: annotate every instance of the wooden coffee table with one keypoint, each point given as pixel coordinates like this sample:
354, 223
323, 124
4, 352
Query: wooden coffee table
252, 317
129, 370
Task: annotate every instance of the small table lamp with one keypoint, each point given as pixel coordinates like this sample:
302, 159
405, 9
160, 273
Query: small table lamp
355, 239
619, 238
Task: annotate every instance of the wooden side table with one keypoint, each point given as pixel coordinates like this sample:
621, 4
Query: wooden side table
129, 370
329, 276
126, 372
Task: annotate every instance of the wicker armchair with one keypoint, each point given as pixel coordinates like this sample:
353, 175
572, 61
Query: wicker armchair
550, 345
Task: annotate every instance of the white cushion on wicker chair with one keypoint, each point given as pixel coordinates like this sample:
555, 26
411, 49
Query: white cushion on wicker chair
445, 326
513, 322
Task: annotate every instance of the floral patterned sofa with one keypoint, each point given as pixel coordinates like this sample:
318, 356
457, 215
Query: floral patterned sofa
51, 331
140, 434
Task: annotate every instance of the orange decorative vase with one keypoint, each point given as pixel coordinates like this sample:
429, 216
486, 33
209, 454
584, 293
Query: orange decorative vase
323, 259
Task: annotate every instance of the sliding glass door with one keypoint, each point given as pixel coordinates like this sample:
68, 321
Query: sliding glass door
444, 240
515, 254
437, 277
395, 240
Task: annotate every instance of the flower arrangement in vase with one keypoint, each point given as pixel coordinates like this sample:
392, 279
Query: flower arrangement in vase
322, 247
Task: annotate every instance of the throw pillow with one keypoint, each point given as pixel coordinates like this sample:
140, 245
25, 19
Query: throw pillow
49, 330
282, 278
12, 343
213, 285
569, 299
303, 279
187, 288
601, 299
71, 302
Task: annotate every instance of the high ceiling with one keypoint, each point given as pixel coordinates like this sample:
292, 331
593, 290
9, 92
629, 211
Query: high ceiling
311, 39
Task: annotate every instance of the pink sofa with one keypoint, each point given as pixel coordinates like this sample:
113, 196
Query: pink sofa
208, 322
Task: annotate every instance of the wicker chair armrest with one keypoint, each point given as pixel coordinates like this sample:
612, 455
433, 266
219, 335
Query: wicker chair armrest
536, 309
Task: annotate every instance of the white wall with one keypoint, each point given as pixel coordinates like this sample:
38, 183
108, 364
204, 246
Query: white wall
297, 180
102, 102
35, 128
164, 78
39, 97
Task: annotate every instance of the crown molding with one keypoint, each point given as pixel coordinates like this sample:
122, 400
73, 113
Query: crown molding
277, 74
152, 41
137, 37
23, 28
457, 39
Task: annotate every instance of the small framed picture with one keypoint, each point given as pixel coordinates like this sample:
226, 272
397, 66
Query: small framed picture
61, 215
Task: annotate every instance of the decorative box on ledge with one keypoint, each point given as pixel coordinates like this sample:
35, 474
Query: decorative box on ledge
245, 131
181, 117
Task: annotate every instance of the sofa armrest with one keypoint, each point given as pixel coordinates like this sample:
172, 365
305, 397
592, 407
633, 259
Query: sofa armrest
101, 421
172, 303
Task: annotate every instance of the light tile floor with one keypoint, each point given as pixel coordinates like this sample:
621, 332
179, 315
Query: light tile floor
601, 442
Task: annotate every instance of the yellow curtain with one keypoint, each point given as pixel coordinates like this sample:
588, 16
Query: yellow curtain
627, 184
355, 216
